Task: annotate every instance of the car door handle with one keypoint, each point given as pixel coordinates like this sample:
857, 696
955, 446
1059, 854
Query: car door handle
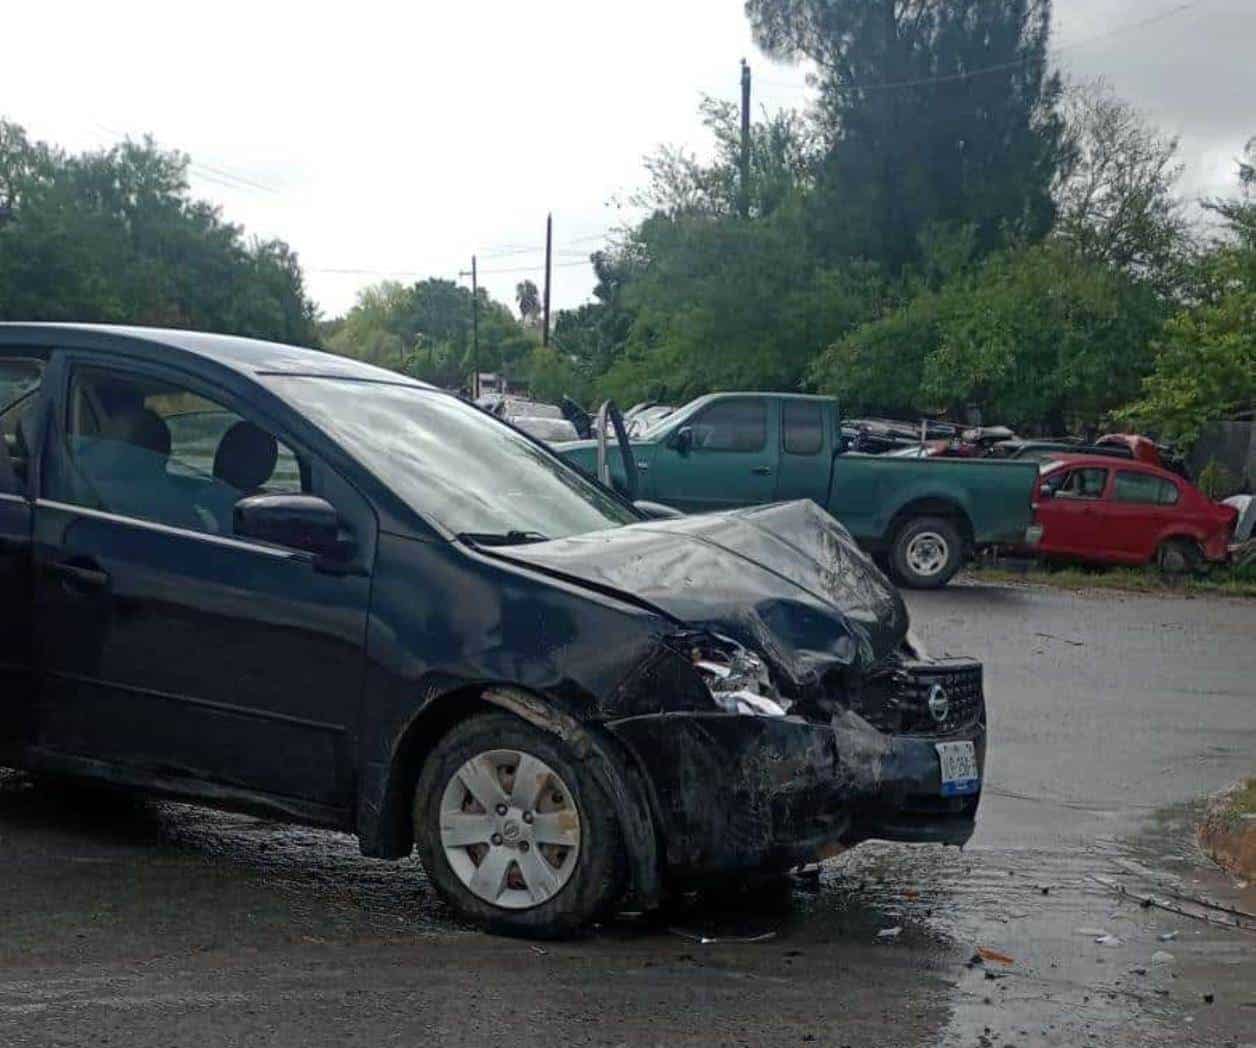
762, 471
82, 573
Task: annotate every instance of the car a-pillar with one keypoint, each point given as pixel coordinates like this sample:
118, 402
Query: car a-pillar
511, 726
928, 543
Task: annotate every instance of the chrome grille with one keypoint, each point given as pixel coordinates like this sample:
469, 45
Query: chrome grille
897, 702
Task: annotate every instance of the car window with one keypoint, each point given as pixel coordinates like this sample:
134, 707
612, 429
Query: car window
732, 425
1144, 489
1083, 484
144, 448
804, 427
19, 387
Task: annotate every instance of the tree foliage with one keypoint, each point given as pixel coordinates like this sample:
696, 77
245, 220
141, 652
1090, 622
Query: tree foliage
425, 330
114, 236
932, 113
1036, 336
1116, 200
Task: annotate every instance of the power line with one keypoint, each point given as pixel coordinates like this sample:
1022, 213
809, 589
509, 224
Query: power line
355, 272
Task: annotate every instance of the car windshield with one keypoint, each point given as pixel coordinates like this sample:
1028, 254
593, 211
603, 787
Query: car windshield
454, 464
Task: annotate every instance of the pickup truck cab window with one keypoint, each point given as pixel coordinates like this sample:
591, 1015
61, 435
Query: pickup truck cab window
142, 447
731, 425
803, 427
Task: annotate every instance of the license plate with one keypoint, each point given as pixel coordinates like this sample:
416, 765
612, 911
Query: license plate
959, 768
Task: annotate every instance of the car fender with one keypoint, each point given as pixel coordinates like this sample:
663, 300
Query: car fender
384, 798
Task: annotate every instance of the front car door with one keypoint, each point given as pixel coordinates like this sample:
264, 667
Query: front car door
1072, 517
172, 651
21, 371
730, 462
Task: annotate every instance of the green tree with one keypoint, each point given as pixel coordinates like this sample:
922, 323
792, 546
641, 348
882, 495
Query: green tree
1206, 362
1035, 336
931, 113
114, 236
1117, 200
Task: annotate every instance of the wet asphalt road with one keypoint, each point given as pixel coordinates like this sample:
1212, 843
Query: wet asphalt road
135, 923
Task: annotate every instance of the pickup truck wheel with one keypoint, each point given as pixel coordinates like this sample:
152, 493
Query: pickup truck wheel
927, 552
514, 833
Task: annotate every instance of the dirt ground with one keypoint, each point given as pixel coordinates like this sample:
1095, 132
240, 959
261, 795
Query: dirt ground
135, 923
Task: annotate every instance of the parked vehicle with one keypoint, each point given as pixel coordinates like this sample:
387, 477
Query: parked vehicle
550, 430
1101, 511
741, 449
289, 583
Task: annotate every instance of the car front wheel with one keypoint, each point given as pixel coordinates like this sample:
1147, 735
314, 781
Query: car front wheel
514, 833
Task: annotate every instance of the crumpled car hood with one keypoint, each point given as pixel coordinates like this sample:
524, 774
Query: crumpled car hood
786, 581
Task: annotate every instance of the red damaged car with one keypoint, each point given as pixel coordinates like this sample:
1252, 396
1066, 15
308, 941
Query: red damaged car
1106, 511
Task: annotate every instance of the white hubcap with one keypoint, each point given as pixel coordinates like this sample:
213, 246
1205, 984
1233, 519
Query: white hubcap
927, 553
510, 829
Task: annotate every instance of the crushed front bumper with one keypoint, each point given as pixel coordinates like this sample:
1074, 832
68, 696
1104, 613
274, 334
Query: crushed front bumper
734, 792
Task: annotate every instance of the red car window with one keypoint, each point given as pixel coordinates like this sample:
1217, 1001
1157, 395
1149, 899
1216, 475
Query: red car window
1087, 483
1144, 489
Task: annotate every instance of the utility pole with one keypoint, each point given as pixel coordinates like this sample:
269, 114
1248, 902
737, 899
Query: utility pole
745, 139
475, 328
475, 332
549, 269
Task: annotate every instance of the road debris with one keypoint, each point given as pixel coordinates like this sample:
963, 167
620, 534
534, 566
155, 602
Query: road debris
993, 955
1220, 917
890, 933
1162, 957
1110, 940
713, 940
1167, 936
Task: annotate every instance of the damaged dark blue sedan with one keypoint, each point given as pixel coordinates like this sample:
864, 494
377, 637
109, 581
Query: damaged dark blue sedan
283, 582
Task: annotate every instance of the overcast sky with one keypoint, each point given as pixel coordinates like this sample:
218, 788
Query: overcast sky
387, 139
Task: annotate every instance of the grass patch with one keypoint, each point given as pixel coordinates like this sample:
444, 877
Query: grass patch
1219, 581
1244, 800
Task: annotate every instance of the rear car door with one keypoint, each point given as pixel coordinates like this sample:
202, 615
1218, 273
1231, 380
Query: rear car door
1072, 519
731, 462
172, 650
1143, 508
21, 371
806, 458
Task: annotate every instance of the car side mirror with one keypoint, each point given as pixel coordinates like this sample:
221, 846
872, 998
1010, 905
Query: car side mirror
682, 439
304, 522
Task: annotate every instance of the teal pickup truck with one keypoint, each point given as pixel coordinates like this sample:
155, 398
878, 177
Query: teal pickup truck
726, 450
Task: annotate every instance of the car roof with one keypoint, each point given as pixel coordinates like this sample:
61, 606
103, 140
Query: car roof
246, 355
1109, 462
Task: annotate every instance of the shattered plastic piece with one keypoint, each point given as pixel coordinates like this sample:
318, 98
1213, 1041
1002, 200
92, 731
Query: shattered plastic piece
1092, 932
1162, 957
994, 955
1167, 936
540, 951
890, 933
1109, 940
707, 940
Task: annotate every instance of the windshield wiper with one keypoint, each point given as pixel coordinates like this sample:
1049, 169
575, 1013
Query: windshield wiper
502, 538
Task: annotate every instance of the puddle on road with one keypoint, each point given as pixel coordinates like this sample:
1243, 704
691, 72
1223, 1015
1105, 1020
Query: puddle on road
102, 875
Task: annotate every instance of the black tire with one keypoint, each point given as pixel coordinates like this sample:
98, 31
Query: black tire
598, 878
922, 543
1179, 557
